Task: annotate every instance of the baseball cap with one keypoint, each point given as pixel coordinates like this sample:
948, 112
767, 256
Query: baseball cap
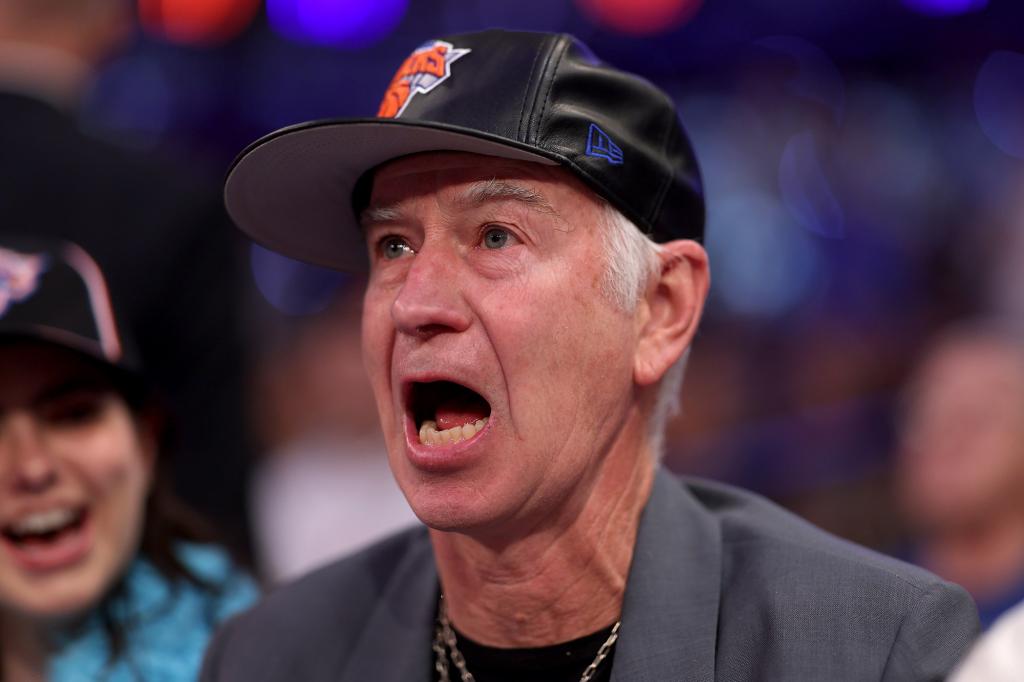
536, 97
53, 291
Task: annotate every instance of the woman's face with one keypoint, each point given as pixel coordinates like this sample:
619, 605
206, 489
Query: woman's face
75, 468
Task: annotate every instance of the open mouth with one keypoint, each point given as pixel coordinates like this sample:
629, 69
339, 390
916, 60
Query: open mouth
446, 412
43, 528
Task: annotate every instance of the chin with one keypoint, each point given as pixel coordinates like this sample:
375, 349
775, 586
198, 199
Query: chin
65, 595
454, 507
59, 604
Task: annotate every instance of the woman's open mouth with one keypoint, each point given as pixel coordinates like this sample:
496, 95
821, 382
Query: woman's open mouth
49, 539
446, 412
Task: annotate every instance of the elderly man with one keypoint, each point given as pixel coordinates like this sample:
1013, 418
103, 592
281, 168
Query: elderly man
531, 220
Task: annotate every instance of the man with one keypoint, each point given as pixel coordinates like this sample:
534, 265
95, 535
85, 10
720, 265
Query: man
962, 462
531, 221
160, 236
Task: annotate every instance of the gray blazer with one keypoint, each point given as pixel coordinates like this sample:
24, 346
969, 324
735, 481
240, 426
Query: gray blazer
724, 585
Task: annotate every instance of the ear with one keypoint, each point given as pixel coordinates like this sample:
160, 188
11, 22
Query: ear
673, 305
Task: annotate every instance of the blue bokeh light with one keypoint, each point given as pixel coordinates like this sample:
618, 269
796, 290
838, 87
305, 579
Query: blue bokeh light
765, 267
999, 101
945, 7
293, 287
135, 96
806, 190
817, 78
351, 24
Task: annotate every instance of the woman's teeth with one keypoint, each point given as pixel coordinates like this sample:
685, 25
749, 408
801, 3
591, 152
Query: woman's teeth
43, 522
429, 435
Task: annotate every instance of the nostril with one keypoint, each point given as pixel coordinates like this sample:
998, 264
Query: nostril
428, 330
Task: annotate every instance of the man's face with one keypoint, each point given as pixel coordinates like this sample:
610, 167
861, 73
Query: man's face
963, 441
484, 315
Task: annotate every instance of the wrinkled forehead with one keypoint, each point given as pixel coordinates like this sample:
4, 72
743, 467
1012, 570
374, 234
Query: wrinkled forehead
449, 174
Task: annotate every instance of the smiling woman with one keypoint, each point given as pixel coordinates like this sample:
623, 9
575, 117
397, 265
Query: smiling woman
100, 577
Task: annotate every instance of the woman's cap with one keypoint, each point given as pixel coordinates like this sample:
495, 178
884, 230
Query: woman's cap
53, 291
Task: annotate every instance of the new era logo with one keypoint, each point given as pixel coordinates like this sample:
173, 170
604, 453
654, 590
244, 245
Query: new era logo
599, 145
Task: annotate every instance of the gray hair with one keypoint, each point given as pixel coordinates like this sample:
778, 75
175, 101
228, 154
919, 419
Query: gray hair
633, 260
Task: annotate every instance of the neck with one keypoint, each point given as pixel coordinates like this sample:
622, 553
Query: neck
985, 558
22, 652
556, 583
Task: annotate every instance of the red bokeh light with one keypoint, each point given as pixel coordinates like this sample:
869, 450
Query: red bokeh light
640, 17
197, 21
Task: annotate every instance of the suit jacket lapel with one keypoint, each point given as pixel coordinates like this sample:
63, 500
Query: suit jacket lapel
395, 646
670, 610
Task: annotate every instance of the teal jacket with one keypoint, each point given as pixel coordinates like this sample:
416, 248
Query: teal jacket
169, 623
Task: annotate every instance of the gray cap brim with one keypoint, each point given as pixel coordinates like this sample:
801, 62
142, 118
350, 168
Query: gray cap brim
292, 190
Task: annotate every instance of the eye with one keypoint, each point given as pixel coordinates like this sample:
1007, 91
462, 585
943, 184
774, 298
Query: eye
393, 247
496, 237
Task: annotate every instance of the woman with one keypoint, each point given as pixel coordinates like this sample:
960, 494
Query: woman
101, 577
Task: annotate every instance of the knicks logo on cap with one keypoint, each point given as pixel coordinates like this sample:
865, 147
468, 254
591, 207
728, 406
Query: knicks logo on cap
19, 276
425, 69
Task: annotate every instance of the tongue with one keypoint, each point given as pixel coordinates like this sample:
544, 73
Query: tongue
459, 411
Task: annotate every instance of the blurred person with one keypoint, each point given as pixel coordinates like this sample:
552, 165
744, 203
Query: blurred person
531, 218
102, 575
323, 488
998, 656
961, 465
157, 230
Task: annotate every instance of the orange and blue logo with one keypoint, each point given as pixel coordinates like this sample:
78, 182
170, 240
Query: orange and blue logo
19, 276
426, 68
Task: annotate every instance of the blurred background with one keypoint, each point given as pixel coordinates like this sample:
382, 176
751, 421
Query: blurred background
860, 360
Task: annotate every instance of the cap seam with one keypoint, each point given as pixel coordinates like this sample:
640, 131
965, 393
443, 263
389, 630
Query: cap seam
530, 98
561, 48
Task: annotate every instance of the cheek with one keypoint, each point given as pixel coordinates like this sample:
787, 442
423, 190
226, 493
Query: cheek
562, 346
112, 461
377, 340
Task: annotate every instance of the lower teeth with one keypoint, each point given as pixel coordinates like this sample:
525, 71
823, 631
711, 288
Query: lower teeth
429, 435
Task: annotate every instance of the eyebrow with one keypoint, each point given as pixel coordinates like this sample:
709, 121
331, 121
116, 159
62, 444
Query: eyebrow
70, 387
477, 194
499, 190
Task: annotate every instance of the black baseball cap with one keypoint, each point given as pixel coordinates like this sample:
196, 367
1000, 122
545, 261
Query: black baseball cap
537, 97
53, 291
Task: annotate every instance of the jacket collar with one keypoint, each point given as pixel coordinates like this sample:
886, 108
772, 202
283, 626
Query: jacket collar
395, 646
669, 614
670, 610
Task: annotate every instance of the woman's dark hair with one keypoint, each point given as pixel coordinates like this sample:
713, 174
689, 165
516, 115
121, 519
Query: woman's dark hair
167, 521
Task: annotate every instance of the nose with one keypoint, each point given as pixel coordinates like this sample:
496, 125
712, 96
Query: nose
26, 464
430, 300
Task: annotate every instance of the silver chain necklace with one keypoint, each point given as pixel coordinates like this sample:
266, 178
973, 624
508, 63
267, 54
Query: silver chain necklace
446, 646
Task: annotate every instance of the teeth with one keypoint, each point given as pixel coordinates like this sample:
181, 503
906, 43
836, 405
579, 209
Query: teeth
429, 435
43, 522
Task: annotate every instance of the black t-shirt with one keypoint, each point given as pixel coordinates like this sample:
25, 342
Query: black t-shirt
556, 663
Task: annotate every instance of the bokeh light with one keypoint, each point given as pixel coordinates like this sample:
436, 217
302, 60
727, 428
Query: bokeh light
136, 97
640, 17
816, 77
945, 7
806, 190
765, 266
351, 24
201, 22
999, 101
290, 286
